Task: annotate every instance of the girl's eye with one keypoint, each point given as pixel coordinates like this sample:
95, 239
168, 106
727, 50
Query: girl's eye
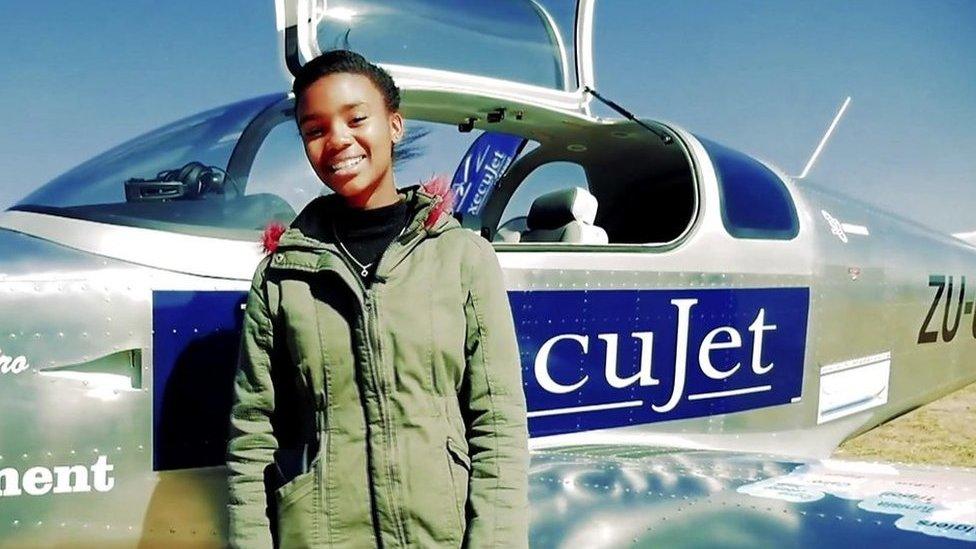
312, 133
358, 119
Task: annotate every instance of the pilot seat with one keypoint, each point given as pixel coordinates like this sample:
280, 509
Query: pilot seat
565, 215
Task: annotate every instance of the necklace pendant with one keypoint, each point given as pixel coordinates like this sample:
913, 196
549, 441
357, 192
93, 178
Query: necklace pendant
364, 272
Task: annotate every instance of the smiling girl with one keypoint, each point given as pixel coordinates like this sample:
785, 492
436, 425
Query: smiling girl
378, 401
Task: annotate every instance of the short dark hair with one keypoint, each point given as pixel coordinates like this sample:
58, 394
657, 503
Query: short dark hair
346, 61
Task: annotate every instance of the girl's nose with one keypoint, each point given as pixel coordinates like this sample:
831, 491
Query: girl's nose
339, 138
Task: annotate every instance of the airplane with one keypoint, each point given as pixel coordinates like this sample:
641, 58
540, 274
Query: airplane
698, 329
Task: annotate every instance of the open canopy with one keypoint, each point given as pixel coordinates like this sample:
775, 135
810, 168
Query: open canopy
537, 51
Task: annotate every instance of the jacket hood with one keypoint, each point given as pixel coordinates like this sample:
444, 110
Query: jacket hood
312, 227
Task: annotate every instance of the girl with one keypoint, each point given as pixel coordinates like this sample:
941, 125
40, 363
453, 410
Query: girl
378, 400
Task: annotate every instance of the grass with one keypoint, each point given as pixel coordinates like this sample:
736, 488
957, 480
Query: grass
942, 432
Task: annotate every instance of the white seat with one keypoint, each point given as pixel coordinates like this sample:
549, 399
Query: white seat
565, 215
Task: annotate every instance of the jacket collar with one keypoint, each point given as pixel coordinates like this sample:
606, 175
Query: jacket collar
309, 243
312, 228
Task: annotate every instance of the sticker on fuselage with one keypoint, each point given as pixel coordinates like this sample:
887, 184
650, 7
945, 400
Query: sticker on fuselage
59, 479
614, 358
841, 230
12, 364
956, 305
923, 501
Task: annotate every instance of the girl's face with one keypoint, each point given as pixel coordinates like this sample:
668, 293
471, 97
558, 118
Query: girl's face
348, 134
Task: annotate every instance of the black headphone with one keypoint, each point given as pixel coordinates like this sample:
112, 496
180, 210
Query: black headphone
192, 181
197, 179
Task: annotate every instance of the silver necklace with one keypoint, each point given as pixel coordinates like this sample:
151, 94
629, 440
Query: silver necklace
364, 268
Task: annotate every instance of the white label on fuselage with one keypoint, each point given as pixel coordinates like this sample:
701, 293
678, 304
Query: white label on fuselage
12, 364
59, 479
836, 227
853, 386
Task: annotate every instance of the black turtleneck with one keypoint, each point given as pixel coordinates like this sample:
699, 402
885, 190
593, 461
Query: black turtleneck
367, 233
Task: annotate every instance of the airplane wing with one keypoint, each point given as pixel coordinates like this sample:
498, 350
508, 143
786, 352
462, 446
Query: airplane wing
613, 496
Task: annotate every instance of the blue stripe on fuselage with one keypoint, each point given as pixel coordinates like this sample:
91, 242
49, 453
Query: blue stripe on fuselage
679, 354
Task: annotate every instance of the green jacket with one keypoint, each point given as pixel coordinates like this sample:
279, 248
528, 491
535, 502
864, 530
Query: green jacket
412, 387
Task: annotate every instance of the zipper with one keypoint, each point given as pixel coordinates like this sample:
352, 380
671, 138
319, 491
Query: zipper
372, 319
321, 493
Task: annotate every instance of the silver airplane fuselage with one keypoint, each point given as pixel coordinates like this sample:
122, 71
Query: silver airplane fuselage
92, 430
685, 377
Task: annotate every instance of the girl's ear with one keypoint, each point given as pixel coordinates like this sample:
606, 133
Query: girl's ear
396, 126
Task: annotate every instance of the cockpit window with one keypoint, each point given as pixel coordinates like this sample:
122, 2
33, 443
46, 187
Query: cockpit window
755, 202
247, 164
208, 137
526, 41
281, 169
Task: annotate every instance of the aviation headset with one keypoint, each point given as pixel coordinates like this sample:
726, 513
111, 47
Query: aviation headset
197, 179
187, 183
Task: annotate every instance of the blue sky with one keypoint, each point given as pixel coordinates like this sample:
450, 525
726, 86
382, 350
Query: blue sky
765, 77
